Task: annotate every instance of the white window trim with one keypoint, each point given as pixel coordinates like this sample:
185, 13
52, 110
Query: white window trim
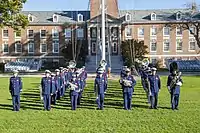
113, 47
3, 48
177, 14
28, 34
95, 47
16, 47
126, 16
189, 46
18, 37
140, 36
164, 32
53, 31
3, 34
58, 46
177, 34
41, 34
126, 32
177, 45
54, 19
152, 30
152, 16
191, 35
41, 48
66, 32
33, 48
29, 17
81, 17
164, 46
151, 49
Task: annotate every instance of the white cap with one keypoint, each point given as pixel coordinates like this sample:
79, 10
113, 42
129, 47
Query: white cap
154, 69
47, 71
15, 71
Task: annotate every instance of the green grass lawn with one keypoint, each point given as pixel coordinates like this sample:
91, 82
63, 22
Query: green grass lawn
32, 119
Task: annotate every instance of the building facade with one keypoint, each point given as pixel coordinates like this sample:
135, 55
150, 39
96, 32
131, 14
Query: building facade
50, 32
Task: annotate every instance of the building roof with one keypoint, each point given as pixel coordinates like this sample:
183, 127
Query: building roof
46, 17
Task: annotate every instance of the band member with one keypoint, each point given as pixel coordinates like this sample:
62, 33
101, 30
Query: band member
54, 89
60, 82
62, 75
66, 74
174, 83
46, 90
128, 82
155, 86
74, 90
106, 80
99, 89
123, 71
15, 88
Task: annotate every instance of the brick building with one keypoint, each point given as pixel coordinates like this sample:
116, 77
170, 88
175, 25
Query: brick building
49, 32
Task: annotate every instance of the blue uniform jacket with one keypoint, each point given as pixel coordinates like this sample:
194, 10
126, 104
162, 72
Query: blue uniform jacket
122, 74
99, 84
54, 86
143, 74
176, 88
129, 88
15, 85
155, 83
60, 81
46, 85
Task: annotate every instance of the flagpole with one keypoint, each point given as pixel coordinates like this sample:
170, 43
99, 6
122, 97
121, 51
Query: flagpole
103, 29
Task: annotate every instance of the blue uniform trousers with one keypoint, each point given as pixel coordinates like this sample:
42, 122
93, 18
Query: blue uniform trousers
16, 102
100, 101
62, 91
127, 100
175, 101
58, 94
79, 97
73, 98
154, 100
53, 99
47, 102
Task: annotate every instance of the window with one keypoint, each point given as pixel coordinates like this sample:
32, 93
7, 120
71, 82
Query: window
30, 34
128, 17
140, 31
55, 33
106, 47
192, 30
5, 47
94, 33
18, 34
166, 45
43, 48
128, 32
55, 46
68, 33
31, 47
5, 33
178, 16
153, 16
80, 17
114, 47
30, 18
153, 45
179, 31
55, 18
114, 32
153, 60
179, 45
43, 33
18, 47
166, 31
93, 47
153, 31
192, 45
80, 33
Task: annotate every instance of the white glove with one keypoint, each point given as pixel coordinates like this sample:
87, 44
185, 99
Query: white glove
97, 97
179, 84
150, 94
168, 87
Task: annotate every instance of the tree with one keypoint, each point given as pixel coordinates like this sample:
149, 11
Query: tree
190, 21
10, 14
133, 49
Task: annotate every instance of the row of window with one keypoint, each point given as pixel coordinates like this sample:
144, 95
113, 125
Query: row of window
166, 45
43, 33
114, 47
154, 30
31, 47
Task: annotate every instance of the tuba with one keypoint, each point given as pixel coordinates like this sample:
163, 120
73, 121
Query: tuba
72, 64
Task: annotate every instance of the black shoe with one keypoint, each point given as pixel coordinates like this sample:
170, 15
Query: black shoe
176, 109
155, 108
150, 107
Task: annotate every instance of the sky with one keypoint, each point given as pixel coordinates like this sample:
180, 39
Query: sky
49, 5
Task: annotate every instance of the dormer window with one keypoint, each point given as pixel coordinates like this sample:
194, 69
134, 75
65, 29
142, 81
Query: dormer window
55, 18
80, 18
30, 18
153, 16
128, 17
178, 16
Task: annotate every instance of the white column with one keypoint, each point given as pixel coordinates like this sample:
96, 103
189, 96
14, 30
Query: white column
103, 29
110, 40
89, 42
119, 40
